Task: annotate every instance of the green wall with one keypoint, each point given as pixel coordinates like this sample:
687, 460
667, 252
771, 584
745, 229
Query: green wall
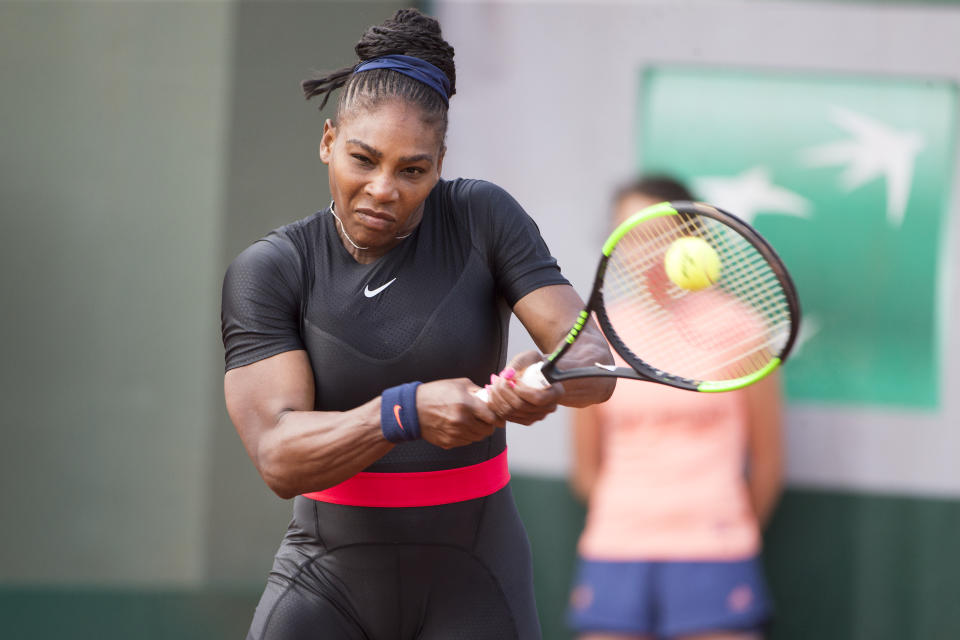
113, 613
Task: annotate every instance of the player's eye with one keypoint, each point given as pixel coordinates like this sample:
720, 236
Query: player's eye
362, 159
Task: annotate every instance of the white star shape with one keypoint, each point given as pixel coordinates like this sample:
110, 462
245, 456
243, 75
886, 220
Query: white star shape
751, 193
875, 150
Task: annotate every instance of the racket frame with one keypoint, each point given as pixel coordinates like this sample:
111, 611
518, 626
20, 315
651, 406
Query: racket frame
640, 370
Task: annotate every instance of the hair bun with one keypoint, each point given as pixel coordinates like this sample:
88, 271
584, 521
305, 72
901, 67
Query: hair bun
413, 16
411, 33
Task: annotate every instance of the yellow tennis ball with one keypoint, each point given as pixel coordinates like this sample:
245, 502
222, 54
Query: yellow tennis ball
692, 263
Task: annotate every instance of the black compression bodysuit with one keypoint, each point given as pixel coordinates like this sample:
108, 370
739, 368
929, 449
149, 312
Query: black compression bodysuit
436, 306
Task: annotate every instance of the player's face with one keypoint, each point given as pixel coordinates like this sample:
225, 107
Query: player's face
383, 164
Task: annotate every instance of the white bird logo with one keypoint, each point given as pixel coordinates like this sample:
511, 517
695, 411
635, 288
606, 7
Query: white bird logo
750, 193
875, 150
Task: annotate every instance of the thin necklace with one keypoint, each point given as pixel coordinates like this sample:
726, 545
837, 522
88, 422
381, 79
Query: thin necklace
344, 230
349, 239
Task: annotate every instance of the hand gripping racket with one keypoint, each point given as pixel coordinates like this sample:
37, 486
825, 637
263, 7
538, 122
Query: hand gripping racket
689, 296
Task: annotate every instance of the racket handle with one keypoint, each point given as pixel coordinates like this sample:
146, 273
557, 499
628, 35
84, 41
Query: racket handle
531, 376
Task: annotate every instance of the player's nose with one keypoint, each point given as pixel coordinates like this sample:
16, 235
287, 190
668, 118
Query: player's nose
382, 187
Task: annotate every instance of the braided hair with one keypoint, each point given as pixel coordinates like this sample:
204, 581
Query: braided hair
409, 33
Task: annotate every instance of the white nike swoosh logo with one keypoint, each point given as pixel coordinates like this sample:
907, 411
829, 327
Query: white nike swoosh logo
608, 367
367, 291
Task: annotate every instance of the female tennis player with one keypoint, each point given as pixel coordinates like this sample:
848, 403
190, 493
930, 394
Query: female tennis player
355, 339
678, 486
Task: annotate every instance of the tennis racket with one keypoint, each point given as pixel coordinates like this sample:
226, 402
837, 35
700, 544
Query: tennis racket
721, 314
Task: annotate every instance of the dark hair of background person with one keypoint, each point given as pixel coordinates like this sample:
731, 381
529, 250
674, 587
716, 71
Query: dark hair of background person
408, 33
662, 187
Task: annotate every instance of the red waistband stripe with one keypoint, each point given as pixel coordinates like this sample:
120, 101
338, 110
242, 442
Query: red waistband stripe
419, 489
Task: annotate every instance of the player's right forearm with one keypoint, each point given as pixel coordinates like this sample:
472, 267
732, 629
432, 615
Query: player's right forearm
314, 450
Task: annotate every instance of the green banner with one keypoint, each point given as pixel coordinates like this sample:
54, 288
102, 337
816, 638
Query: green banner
849, 178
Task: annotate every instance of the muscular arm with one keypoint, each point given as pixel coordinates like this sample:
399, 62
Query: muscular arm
294, 448
765, 446
298, 450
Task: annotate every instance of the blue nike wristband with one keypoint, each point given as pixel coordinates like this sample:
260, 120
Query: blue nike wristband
399, 420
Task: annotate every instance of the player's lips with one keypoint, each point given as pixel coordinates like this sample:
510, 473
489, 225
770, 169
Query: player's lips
376, 219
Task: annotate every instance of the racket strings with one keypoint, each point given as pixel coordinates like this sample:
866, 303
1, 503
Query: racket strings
728, 330
729, 350
750, 277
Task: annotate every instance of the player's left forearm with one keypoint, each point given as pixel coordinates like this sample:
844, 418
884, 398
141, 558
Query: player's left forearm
589, 349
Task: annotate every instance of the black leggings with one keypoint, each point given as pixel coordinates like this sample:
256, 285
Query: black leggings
450, 572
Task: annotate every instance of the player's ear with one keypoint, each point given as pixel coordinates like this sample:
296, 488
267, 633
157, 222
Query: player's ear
326, 142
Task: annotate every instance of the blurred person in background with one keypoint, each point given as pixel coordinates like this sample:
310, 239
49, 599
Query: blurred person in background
678, 486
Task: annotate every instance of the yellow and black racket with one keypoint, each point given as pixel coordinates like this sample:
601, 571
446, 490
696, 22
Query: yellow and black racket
689, 296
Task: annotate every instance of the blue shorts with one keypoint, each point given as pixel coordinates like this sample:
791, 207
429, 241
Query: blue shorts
669, 598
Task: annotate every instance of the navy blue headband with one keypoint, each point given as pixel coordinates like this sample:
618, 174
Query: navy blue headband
413, 67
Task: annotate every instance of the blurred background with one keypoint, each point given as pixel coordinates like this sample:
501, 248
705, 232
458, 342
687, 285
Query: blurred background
145, 143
